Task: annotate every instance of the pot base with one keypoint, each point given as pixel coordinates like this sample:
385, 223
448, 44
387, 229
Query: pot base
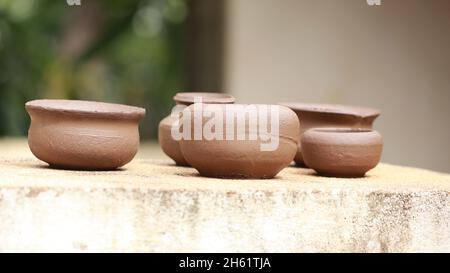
341, 175
238, 176
76, 168
300, 164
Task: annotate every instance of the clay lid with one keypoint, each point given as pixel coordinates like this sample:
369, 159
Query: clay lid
187, 98
333, 109
90, 108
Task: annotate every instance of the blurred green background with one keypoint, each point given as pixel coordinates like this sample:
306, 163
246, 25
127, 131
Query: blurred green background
120, 51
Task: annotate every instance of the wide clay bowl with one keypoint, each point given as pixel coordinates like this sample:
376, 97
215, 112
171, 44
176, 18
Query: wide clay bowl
83, 135
312, 115
237, 141
170, 146
341, 152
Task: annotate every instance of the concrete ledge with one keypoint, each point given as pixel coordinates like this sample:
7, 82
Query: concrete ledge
152, 205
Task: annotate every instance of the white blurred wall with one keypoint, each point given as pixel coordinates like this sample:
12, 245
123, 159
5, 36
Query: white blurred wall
395, 57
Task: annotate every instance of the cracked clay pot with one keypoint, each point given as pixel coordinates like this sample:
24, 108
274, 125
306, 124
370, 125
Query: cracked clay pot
235, 144
340, 152
170, 146
83, 135
313, 115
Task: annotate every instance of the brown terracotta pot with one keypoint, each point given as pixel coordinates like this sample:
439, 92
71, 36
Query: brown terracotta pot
330, 115
83, 135
170, 146
341, 152
240, 156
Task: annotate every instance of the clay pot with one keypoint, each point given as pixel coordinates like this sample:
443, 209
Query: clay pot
240, 156
341, 152
330, 115
170, 146
83, 135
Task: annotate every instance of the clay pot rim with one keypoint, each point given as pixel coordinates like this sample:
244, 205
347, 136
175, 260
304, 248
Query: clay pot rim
87, 108
224, 105
356, 111
332, 130
332, 135
208, 97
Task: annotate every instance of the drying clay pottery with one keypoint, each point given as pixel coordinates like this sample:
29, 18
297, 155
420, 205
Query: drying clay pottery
240, 156
170, 146
330, 115
340, 152
83, 135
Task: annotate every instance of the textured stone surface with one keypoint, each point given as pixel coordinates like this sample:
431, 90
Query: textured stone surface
152, 205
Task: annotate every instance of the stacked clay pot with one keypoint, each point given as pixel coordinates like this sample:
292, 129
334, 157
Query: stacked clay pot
241, 156
170, 146
313, 115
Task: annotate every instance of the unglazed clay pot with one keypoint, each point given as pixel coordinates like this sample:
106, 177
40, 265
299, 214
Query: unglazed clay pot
253, 146
330, 115
170, 146
341, 152
83, 135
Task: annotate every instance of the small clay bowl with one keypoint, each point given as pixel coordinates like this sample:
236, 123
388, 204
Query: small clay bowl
170, 146
83, 135
340, 152
314, 115
240, 156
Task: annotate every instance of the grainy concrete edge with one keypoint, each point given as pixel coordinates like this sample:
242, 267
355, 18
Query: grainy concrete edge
135, 220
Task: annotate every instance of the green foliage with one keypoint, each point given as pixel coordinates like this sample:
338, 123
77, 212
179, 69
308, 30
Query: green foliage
107, 50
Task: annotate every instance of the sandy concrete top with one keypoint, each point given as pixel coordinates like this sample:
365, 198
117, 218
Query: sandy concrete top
151, 170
